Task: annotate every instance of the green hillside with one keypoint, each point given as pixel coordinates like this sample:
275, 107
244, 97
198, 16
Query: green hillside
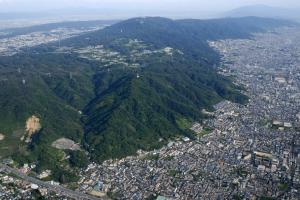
145, 85
48, 93
134, 113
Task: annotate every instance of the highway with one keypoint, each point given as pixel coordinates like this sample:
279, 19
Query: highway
55, 188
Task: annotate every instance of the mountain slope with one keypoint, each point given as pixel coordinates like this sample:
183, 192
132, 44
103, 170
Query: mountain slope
135, 113
39, 85
145, 85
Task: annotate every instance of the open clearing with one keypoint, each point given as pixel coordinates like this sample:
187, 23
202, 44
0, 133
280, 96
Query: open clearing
1, 137
65, 144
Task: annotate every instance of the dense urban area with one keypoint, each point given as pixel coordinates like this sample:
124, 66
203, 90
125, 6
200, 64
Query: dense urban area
247, 151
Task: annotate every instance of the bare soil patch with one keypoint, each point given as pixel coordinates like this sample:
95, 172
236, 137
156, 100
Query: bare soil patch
33, 125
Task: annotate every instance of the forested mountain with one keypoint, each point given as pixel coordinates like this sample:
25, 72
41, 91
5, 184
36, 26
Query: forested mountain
133, 85
265, 11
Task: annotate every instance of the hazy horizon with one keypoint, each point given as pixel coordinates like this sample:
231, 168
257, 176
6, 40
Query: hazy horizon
26, 11
138, 5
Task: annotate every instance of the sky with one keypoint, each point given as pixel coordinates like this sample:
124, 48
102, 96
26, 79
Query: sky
171, 5
121, 9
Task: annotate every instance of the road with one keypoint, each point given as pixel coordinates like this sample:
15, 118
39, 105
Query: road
57, 189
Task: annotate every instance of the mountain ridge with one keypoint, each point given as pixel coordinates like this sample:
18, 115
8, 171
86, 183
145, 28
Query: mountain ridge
262, 10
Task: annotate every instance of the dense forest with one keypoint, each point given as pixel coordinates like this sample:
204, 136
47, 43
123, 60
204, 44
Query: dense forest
113, 111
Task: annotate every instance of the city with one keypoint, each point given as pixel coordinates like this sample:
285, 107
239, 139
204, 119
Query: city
21, 43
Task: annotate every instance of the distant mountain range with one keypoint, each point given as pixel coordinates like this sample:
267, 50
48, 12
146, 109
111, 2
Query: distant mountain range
265, 11
133, 85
